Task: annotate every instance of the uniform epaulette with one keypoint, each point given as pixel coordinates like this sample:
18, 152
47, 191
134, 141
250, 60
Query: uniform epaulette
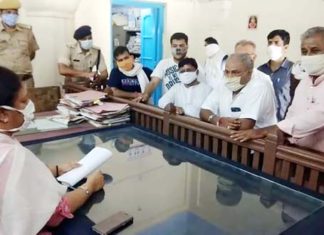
71, 45
24, 26
96, 48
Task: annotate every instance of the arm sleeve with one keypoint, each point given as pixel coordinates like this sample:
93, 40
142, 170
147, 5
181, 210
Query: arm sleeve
212, 102
158, 72
33, 46
102, 64
114, 79
167, 98
303, 124
262, 104
65, 58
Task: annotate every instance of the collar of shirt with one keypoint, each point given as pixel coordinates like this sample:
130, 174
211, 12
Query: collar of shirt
285, 64
2, 28
79, 50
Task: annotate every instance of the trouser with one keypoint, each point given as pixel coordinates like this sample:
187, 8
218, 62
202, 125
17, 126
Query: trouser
27, 79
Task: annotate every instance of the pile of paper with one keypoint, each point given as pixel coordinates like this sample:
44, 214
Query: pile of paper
88, 105
107, 113
83, 99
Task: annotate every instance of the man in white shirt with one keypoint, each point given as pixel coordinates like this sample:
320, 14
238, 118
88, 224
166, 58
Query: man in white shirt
249, 47
242, 101
167, 69
215, 62
186, 97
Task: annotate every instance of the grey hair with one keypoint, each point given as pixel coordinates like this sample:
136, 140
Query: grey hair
245, 59
311, 32
245, 43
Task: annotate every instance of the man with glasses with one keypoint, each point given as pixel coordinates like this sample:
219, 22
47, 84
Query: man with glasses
242, 101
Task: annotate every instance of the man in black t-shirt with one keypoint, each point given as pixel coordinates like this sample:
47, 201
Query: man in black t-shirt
129, 79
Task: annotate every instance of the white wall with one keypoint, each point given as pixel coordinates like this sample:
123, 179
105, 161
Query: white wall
54, 22
51, 21
97, 14
226, 20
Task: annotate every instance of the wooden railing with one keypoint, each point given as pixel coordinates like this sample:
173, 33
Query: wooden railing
301, 167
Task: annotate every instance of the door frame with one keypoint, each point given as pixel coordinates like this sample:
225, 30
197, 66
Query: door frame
139, 4
152, 5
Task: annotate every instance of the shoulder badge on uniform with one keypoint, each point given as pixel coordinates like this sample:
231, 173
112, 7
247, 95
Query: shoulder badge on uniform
24, 26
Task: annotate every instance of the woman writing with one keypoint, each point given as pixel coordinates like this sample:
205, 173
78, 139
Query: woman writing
31, 200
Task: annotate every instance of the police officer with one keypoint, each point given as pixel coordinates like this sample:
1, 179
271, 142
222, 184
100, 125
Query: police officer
82, 63
17, 42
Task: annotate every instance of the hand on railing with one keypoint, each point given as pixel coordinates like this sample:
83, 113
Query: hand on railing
229, 123
174, 109
143, 98
246, 135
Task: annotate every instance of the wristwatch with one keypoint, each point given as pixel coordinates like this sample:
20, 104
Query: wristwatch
85, 189
210, 117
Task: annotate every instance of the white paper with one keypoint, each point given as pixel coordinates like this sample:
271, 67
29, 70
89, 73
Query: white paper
91, 162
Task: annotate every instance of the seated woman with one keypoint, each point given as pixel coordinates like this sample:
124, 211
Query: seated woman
129, 79
31, 200
186, 98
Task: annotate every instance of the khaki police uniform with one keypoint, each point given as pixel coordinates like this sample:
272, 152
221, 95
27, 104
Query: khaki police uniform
15, 50
76, 59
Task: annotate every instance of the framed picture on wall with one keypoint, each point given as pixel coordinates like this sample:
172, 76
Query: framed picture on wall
253, 22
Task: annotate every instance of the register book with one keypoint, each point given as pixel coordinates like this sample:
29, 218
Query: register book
91, 162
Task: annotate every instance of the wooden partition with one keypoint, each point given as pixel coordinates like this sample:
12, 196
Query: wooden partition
302, 167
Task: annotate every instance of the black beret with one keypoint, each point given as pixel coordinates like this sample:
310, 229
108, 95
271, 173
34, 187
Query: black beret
82, 32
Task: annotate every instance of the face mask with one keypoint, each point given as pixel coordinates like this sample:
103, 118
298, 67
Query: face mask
187, 77
27, 112
211, 49
299, 71
86, 44
313, 64
10, 19
233, 83
275, 52
178, 52
126, 64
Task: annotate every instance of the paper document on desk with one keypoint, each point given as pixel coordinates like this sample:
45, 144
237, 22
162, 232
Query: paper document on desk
91, 162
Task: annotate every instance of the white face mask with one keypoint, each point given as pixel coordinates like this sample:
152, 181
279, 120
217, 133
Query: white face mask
313, 64
28, 113
299, 71
275, 52
211, 50
10, 19
187, 77
233, 83
86, 44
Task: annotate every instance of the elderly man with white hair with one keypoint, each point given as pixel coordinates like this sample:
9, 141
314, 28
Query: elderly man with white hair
242, 101
304, 122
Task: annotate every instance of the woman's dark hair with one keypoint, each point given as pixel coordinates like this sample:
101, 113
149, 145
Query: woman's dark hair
9, 86
187, 61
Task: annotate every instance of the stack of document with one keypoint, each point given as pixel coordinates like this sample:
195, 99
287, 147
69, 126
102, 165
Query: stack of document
107, 114
83, 99
88, 105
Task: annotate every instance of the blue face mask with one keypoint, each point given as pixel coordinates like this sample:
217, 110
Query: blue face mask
9, 19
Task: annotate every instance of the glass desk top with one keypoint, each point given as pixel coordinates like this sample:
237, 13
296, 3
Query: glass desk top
171, 189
